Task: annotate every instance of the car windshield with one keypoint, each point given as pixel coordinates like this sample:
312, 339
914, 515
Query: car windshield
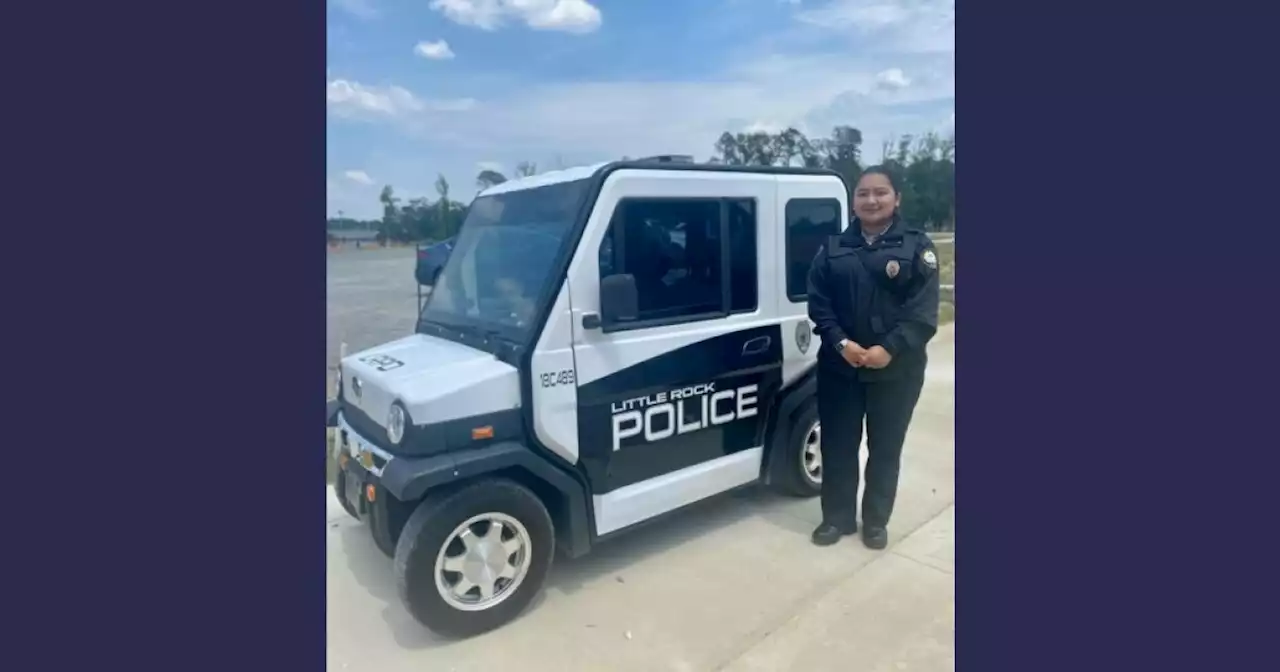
502, 260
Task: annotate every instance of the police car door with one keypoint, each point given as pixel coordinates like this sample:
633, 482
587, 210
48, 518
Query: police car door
672, 405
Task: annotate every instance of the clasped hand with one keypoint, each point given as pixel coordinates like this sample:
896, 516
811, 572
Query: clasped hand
874, 357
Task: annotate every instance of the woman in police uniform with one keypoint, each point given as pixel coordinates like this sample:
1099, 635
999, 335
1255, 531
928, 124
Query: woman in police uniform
873, 295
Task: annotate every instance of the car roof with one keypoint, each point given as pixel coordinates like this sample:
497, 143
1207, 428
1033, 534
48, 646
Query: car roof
602, 170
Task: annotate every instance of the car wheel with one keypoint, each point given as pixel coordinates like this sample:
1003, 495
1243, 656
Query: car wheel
797, 466
471, 560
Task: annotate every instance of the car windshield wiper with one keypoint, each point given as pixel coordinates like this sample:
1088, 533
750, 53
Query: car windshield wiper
489, 333
474, 331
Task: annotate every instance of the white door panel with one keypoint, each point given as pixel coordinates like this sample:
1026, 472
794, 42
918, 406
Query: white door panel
555, 389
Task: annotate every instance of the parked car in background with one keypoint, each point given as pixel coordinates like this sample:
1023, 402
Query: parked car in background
431, 259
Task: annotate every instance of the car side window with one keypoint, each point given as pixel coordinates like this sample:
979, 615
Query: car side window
676, 251
744, 274
810, 222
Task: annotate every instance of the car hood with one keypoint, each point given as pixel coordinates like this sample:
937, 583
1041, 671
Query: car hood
435, 379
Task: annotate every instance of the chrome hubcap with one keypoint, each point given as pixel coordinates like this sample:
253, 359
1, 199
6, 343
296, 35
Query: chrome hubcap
811, 455
483, 562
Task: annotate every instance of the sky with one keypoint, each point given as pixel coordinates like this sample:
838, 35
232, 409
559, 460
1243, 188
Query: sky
421, 88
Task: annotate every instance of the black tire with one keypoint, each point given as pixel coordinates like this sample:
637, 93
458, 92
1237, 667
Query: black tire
381, 528
786, 465
432, 525
339, 487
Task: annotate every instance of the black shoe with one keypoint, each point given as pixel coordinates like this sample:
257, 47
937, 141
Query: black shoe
875, 537
828, 534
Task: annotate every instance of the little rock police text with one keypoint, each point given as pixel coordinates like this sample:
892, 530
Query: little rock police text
681, 411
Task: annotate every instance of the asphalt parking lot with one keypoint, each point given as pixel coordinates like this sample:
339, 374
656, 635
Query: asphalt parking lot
372, 298
730, 584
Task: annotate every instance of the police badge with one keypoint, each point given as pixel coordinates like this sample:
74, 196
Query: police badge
891, 269
930, 259
803, 336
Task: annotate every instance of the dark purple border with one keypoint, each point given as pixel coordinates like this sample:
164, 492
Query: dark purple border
1107, 510
1110, 386
165, 313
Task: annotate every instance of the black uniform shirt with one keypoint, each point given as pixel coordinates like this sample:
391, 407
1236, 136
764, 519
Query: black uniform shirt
880, 293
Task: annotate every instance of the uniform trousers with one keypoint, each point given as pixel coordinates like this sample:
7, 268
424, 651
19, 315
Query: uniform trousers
844, 404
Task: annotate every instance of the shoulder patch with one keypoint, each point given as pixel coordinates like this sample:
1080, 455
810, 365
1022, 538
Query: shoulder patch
930, 258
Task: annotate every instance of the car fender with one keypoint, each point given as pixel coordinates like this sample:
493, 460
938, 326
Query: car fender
409, 479
804, 389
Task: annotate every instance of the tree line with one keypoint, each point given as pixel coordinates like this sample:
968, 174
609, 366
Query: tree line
924, 167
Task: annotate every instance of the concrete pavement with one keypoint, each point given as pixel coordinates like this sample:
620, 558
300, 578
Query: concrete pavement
731, 584
896, 613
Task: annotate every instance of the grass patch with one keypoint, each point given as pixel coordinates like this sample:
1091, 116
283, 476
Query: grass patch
947, 263
947, 276
946, 313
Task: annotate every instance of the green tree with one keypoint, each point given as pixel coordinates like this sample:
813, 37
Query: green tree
445, 226
925, 166
392, 225
489, 178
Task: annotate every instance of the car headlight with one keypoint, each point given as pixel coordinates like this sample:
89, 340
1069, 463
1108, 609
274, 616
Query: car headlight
396, 421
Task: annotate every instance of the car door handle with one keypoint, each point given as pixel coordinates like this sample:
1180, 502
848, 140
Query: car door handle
756, 345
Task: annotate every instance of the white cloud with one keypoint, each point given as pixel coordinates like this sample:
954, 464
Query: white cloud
351, 99
359, 177
348, 96
863, 83
570, 16
591, 121
864, 15
436, 51
892, 79
919, 26
764, 127
363, 9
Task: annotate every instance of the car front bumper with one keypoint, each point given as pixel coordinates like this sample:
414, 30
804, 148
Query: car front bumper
359, 487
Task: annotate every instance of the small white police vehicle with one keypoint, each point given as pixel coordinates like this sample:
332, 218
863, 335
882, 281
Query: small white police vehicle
605, 345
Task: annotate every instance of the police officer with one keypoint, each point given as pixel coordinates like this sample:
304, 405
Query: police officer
873, 294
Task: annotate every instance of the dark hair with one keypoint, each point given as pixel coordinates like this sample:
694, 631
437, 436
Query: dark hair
880, 170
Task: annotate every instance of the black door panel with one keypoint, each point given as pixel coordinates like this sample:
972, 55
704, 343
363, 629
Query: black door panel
680, 408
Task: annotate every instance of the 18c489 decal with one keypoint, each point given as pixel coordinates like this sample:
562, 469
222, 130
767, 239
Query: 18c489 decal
681, 411
557, 378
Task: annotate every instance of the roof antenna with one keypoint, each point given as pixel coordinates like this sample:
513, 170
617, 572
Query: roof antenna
668, 158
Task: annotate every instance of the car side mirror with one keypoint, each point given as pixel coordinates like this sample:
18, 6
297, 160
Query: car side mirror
619, 299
